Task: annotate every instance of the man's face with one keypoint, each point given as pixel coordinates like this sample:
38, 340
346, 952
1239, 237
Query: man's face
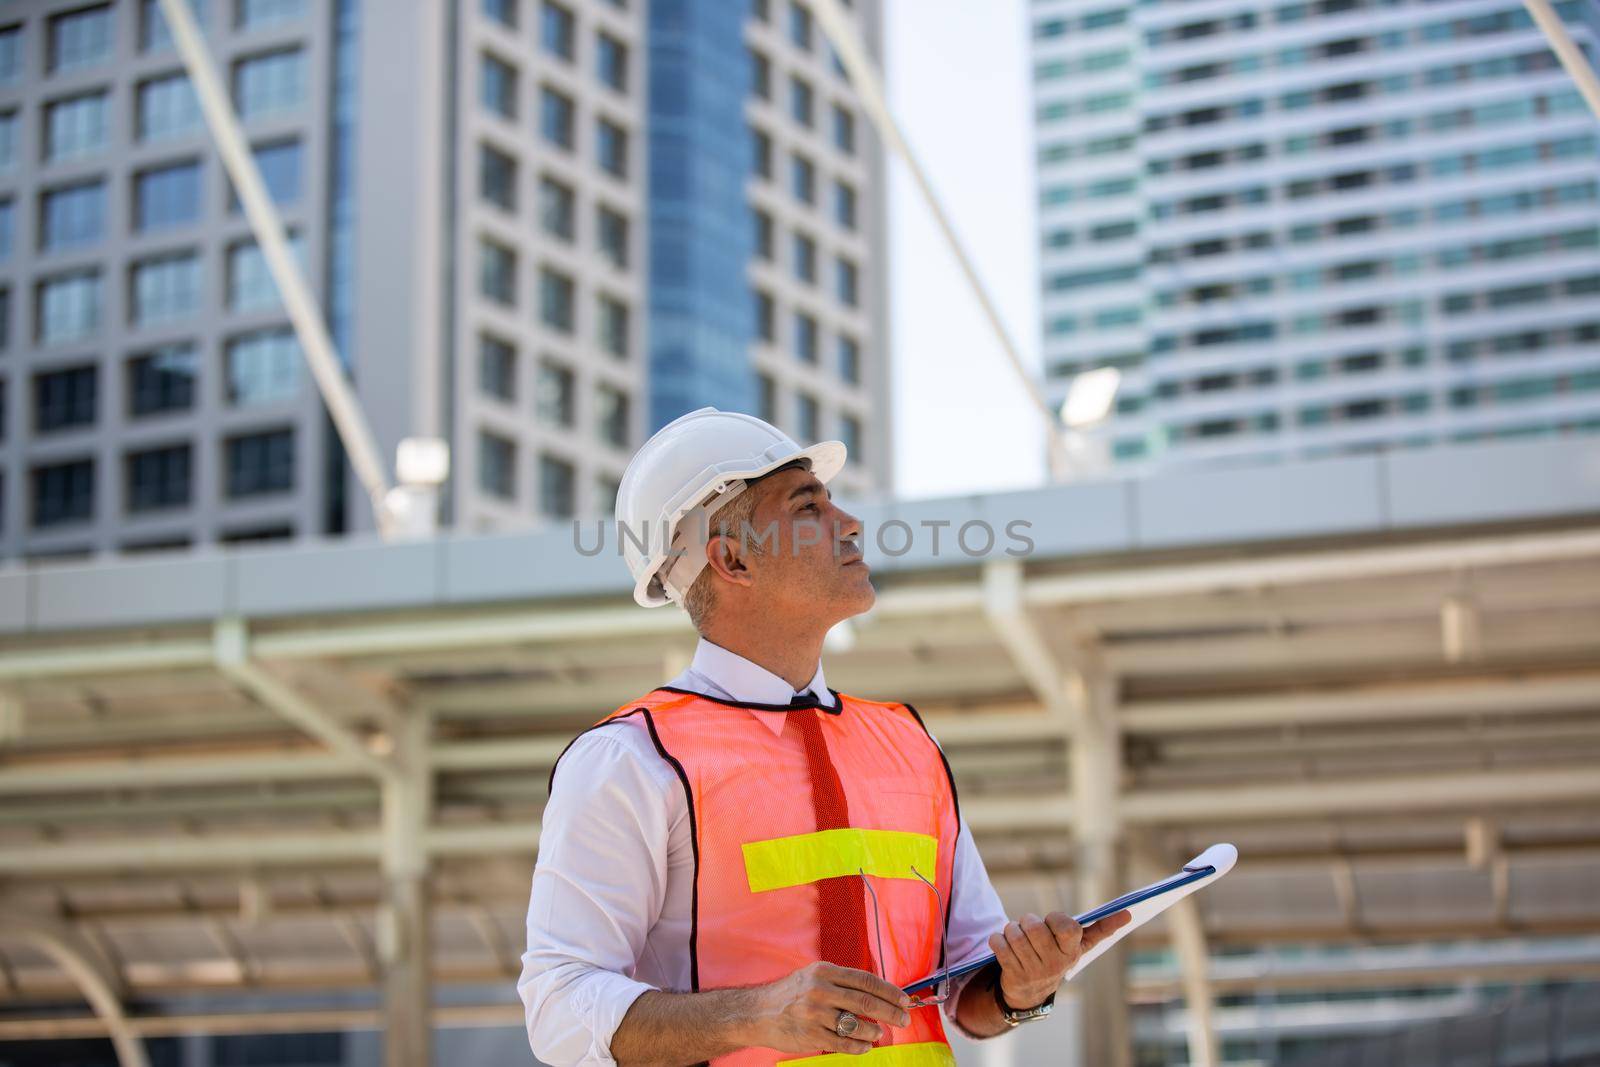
810, 561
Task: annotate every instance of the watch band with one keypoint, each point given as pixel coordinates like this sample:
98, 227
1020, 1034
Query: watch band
1017, 1016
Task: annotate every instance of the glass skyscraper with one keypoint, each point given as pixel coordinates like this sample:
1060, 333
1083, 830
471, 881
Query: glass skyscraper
1317, 227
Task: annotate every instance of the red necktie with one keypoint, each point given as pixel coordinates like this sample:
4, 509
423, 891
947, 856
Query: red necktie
842, 910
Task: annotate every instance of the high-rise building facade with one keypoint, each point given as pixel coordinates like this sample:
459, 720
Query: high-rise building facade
1315, 227
472, 193
778, 308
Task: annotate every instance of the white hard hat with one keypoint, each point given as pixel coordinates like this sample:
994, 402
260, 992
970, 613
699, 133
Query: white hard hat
691, 467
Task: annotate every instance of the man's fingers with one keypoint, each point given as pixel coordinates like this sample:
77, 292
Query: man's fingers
850, 1046
1040, 938
827, 1017
867, 982
1065, 929
866, 1006
1022, 947
1105, 928
1002, 952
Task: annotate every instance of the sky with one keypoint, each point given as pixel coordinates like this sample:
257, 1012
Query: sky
957, 76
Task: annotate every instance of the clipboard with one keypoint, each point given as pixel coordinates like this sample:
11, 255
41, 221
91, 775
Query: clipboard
1145, 903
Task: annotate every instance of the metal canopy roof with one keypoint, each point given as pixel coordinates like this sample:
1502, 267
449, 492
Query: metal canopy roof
1396, 721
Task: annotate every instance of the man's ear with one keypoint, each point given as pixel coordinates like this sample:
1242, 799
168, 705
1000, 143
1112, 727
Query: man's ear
723, 555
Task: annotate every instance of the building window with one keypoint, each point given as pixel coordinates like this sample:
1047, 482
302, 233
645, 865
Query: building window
157, 478
805, 421
497, 178
72, 216
162, 380
269, 84
280, 171
766, 316
557, 30
605, 494
557, 118
805, 337
263, 368
844, 129
497, 368
80, 38
611, 415
557, 208
847, 282
801, 104
803, 179
766, 398
849, 359
611, 146
844, 204
556, 300
63, 493
497, 465
613, 315
805, 258
502, 11
11, 55
760, 153
167, 108
259, 463
612, 229
69, 307
761, 225
555, 398
497, 87
497, 273
255, 14
8, 230
154, 33
850, 435
761, 74
75, 127
165, 288
250, 283
557, 485
799, 25
65, 399
8, 140
611, 60
166, 196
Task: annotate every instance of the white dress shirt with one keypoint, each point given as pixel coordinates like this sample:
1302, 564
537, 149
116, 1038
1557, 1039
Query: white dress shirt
608, 917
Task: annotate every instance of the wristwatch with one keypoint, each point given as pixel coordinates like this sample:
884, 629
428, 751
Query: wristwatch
1016, 1017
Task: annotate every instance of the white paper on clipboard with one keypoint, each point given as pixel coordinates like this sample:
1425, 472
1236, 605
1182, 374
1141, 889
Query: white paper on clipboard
1222, 857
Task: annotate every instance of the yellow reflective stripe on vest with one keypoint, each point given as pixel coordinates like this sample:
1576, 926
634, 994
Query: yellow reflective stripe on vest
805, 858
923, 1054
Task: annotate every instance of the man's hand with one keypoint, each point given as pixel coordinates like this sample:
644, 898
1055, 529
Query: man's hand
1035, 954
798, 1013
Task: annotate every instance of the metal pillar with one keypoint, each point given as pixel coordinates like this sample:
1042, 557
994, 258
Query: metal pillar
1105, 1037
404, 936
1194, 963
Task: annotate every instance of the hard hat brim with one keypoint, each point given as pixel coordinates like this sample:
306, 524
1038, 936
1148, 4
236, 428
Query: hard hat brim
826, 459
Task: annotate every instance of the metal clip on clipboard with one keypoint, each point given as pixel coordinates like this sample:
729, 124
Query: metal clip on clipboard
1144, 904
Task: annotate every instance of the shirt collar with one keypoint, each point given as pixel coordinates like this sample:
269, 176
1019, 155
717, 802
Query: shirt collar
717, 672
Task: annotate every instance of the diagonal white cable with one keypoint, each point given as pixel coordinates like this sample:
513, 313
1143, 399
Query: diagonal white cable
265, 223
1571, 56
841, 32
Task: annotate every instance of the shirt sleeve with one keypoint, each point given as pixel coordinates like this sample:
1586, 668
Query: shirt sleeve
975, 913
598, 887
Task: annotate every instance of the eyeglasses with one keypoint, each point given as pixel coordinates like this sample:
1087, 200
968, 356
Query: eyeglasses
942, 987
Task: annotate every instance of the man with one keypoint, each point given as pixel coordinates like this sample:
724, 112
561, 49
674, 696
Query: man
744, 866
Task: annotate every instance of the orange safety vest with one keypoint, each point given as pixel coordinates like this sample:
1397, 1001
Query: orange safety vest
759, 855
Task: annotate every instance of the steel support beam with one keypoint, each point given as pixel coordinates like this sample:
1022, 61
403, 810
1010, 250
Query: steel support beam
233, 659
1106, 1035
404, 922
103, 992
